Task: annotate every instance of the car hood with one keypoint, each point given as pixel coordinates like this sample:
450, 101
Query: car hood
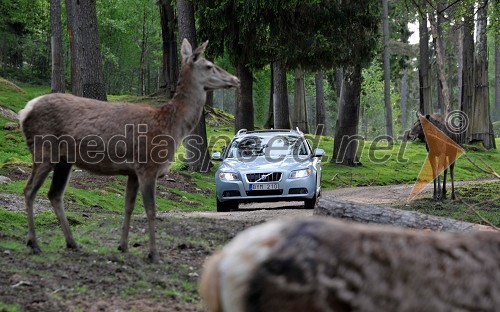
262, 164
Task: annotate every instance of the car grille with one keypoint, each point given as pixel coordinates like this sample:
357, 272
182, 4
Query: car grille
264, 177
264, 193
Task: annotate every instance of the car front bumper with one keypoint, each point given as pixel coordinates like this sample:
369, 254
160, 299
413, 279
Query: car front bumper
296, 189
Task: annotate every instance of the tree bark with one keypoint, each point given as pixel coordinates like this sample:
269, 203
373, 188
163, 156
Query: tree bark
280, 96
57, 81
270, 113
244, 114
73, 38
320, 104
468, 72
364, 213
387, 73
299, 107
481, 127
440, 60
460, 64
197, 157
404, 97
142, 60
87, 61
496, 112
345, 145
170, 68
424, 67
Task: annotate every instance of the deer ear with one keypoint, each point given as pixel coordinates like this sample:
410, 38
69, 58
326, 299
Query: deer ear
186, 50
199, 51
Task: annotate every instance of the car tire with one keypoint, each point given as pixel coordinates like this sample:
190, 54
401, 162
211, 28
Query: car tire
226, 206
310, 203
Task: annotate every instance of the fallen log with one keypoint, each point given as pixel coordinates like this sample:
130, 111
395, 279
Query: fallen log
364, 213
322, 264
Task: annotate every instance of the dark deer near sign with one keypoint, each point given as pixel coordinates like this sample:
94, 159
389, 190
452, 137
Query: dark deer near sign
138, 141
417, 131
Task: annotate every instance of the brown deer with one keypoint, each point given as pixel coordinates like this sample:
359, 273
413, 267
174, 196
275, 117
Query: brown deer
321, 264
441, 153
138, 141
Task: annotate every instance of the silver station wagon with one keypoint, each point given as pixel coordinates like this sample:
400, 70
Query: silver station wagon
265, 166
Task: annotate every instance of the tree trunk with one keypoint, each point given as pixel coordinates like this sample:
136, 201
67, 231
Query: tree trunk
424, 72
299, 107
244, 115
142, 60
467, 72
440, 60
460, 64
364, 213
496, 112
320, 104
481, 127
404, 97
270, 113
280, 97
197, 157
387, 73
73, 44
346, 137
87, 61
57, 81
170, 68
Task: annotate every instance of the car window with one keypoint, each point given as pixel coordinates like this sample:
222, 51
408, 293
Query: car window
271, 146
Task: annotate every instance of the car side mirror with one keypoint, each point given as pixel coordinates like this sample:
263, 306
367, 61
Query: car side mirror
217, 156
318, 152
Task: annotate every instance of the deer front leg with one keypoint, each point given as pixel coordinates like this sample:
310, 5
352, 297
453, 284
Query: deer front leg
443, 190
130, 197
148, 189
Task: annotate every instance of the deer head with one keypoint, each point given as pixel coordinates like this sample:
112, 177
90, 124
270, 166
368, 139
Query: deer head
416, 130
206, 73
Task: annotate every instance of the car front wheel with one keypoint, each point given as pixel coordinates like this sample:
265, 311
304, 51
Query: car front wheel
226, 206
310, 203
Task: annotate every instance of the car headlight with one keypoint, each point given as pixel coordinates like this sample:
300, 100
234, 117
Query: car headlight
300, 173
228, 176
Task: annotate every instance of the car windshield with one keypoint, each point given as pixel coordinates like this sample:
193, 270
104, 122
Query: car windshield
270, 146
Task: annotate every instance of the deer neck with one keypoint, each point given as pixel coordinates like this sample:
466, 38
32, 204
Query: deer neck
187, 104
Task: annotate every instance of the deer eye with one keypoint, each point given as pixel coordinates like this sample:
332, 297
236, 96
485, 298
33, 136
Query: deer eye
209, 67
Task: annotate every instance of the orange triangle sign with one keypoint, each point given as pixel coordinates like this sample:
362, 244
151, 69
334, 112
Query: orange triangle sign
443, 151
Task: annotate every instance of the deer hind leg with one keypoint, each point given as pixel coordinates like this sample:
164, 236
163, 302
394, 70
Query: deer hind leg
35, 181
130, 197
436, 180
56, 194
147, 186
452, 178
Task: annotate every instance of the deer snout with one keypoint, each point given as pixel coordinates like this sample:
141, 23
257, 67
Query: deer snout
235, 82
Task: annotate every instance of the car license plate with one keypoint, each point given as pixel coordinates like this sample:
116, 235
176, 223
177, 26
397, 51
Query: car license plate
264, 186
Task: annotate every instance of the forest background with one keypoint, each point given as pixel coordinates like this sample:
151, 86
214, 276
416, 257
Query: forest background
294, 58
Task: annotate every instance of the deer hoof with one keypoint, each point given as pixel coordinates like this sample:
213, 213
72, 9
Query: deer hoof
154, 258
72, 246
123, 248
34, 247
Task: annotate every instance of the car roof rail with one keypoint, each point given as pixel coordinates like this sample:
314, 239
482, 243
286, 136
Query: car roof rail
241, 131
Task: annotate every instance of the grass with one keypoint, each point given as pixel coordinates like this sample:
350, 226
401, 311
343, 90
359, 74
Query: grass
482, 197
